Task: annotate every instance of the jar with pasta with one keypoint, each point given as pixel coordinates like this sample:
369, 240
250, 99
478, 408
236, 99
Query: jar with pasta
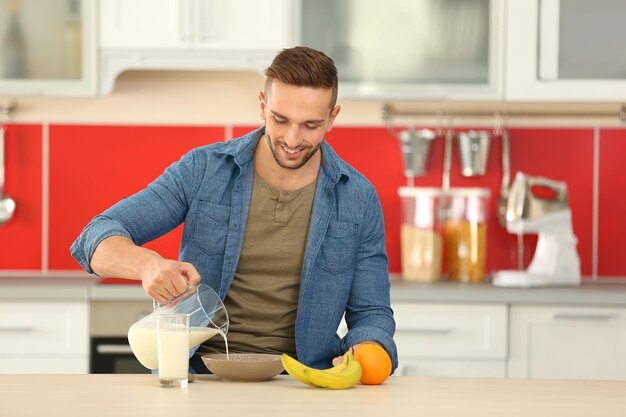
421, 233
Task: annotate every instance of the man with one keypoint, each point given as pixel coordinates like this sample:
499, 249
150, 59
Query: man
289, 235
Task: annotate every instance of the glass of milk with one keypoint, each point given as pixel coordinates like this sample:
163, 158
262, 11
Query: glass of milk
173, 349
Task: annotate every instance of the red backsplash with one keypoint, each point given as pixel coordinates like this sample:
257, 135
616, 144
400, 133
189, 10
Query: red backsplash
21, 237
612, 204
562, 154
92, 167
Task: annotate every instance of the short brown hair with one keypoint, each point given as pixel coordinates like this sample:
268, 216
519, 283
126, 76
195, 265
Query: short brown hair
304, 67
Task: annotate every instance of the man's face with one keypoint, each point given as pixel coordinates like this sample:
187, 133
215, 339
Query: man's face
296, 120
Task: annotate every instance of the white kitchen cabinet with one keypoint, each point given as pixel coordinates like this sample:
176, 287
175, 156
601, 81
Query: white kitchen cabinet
44, 337
442, 339
47, 48
564, 50
397, 49
567, 342
244, 24
145, 24
191, 34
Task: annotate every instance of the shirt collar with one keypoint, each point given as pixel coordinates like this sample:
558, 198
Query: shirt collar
242, 150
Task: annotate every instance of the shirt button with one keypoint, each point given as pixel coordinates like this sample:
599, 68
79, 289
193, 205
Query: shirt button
281, 207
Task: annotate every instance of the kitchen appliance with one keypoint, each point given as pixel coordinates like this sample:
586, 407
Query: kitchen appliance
110, 352
540, 205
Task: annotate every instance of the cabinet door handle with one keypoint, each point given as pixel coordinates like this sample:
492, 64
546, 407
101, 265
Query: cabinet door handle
17, 329
113, 349
429, 330
563, 315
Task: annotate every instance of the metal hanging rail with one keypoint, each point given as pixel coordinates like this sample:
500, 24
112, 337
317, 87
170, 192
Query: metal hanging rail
389, 112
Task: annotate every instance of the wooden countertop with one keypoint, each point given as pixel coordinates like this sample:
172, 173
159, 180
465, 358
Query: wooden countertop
140, 395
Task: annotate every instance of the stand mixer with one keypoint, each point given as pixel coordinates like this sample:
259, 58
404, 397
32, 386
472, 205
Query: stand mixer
556, 260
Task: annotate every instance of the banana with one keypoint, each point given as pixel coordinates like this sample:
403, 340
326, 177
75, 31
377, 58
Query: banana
295, 368
345, 375
332, 378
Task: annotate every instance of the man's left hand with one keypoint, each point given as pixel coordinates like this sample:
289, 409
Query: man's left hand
339, 359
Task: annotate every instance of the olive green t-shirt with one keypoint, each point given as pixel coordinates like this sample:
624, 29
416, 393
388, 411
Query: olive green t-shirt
263, 299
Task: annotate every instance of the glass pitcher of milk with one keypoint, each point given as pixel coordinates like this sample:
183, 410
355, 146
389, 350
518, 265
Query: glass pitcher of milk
207, 316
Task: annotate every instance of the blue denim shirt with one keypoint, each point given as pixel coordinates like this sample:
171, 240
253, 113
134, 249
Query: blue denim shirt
345, 262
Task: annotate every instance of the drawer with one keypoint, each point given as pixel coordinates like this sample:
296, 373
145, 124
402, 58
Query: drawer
43, 329
567, 342
453, 331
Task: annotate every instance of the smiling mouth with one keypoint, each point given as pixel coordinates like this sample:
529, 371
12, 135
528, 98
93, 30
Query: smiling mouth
292, 151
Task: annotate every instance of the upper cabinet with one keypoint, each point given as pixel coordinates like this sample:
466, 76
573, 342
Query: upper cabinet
47, 47
191, 34
443, 50
398, 49
566, 50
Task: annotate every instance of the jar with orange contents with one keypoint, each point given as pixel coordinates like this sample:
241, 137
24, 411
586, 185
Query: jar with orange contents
465, 231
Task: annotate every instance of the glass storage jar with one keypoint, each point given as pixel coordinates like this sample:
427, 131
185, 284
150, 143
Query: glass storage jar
421, 233
465, 233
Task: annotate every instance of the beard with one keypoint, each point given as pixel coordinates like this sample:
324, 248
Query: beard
290, 163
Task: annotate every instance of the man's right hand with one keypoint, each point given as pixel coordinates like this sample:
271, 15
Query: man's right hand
163, 279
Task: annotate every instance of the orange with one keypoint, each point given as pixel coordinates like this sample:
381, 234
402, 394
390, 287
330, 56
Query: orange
375, 363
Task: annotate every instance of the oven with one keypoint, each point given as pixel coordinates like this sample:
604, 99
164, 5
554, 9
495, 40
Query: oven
110, 352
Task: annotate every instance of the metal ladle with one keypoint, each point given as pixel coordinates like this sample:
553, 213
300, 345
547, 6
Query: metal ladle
7, 204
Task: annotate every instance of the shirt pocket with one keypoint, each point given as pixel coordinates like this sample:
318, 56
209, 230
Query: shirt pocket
211, 228
338, 247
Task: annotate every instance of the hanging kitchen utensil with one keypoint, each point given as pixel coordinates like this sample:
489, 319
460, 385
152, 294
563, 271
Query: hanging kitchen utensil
474, 152
506, 178
447, 158
416, 150
7, 205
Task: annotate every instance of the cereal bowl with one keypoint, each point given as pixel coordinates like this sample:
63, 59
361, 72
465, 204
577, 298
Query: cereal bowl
248, 367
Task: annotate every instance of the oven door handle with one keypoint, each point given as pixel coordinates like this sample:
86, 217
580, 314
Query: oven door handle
113, 349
